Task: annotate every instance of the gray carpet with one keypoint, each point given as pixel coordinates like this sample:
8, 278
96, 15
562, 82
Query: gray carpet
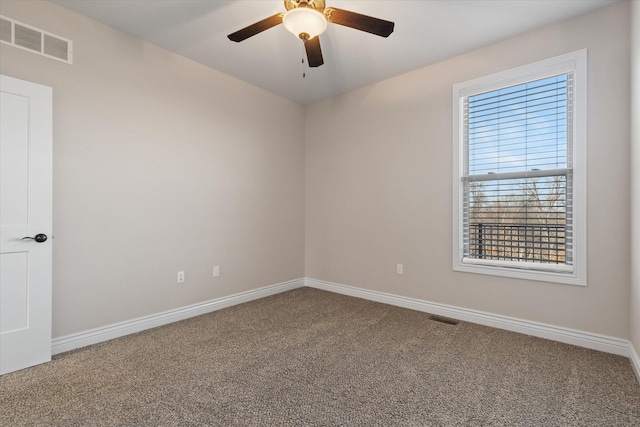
309, 357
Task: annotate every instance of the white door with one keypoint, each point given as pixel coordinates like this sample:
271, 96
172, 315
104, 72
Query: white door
25, 211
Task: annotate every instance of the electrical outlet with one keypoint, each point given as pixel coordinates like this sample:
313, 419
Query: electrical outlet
399, 269
216, 271
180, 276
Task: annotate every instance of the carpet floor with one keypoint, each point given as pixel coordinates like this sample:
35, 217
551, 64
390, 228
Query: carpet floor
309, 357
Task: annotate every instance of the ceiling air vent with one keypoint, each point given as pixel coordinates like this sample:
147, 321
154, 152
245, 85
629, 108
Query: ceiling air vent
35, 40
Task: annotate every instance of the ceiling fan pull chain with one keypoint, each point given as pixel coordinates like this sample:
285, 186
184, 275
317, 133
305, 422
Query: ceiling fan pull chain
304, 71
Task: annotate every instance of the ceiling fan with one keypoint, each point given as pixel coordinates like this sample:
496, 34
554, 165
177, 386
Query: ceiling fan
307, 19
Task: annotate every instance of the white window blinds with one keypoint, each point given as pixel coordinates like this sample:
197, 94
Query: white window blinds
517, 178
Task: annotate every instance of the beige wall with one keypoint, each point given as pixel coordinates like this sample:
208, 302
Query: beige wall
635, 181
160, 165
379, 183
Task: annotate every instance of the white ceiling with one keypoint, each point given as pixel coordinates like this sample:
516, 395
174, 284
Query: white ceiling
426, 31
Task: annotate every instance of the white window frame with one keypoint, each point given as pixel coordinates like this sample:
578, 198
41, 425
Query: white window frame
575, 62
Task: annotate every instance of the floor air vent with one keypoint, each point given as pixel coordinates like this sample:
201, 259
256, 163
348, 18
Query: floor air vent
441, 319
35, 40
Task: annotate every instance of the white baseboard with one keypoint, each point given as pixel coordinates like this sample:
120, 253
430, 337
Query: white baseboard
105, 333
569, 336
565, 335
635, 360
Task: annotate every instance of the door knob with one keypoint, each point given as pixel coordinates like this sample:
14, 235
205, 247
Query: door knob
38, 238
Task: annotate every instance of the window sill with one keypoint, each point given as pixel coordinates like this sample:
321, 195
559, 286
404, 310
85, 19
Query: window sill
566, 278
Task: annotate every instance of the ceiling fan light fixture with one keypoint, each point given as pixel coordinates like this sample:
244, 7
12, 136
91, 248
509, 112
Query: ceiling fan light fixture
304, 22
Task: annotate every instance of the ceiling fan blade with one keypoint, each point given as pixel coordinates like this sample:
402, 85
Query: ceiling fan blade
314, 53
372, 25
256, 28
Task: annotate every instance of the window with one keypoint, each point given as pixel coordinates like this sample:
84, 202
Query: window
519, 172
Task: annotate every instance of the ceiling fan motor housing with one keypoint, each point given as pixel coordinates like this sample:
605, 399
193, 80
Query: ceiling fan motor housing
311, 4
